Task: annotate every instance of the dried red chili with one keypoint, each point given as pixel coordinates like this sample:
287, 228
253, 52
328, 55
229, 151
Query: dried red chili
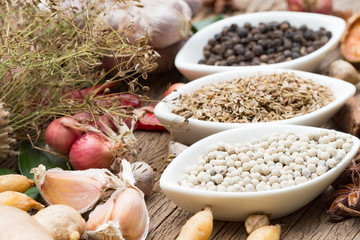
148, 120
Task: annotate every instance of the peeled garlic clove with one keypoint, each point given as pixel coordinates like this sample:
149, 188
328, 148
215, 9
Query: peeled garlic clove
19, 200
78, 189
15, 182
124, 215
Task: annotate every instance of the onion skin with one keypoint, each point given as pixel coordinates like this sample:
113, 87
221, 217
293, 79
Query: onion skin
90, 151
61, 137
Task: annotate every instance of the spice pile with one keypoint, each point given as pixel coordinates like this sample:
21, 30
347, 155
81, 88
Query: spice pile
273, 162
266, 43
260, 98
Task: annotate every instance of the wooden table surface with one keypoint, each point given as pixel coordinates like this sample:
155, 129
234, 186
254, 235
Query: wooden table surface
166, 218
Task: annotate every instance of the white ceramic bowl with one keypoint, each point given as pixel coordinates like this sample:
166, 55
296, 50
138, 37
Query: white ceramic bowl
188, 57
236, 206
195, 130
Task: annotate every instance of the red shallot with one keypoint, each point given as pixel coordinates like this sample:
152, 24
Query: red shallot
60, 134
92, 151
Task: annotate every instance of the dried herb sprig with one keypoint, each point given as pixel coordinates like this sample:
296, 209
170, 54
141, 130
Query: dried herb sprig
46, 55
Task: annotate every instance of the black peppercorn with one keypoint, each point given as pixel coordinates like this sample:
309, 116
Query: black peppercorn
249, 55
231, 59
266, 43
239, 49
287, 44
309, 35
243, 32
295, 55
258, 50
233, 27
212, 41
289, 35
229, 52
263, 43
287, 53
284, 26
264, 58
247, 25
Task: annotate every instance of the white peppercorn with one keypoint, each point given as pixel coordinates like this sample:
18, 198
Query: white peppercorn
276, 186
331, 163
212, 188
314, 175
273, 179
347, 146
249, 187
306, 172
201, 177
320, 170
282, 161
246, 180
323, 155
221, 188
311, 167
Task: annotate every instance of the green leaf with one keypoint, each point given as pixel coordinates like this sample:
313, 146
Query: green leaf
30, 158
4, 171
197, 25
33, 192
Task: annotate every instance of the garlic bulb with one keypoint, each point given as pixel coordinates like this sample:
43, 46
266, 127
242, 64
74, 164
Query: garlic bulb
195, 5
165, 21
77, 189
123, 216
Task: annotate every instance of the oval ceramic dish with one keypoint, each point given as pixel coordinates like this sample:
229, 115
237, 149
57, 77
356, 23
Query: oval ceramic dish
236, 206
188, 57
194, 130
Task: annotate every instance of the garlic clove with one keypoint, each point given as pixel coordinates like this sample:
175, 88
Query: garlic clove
78, 189
124, 215
100, 215
129, 218
131, 213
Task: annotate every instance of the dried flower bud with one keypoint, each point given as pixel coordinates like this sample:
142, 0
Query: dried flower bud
144, 176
